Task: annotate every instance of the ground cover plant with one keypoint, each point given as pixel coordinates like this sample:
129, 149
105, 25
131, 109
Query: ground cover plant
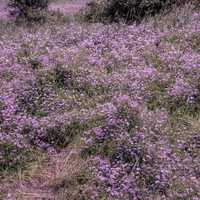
101, 111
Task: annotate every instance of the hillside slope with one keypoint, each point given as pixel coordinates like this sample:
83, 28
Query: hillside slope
95, 111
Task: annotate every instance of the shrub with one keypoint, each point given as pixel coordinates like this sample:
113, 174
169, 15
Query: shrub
32, 10
127, 10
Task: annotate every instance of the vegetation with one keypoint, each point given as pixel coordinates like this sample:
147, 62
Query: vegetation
102, 111
31, 10
128, 10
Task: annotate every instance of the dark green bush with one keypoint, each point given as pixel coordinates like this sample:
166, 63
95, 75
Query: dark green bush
128, 10
31, 10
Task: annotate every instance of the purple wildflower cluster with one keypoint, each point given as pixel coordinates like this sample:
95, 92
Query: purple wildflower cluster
122, 88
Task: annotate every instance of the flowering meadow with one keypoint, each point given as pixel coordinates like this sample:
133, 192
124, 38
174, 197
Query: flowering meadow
126, 96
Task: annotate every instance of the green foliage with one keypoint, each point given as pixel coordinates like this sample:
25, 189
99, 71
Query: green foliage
61, 136
31, 10
181, 108
157, 97
106, 148
68, 79
1, 116
195, 42
127, 10
9, 161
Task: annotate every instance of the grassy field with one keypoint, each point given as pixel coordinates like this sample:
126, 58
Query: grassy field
100, 111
